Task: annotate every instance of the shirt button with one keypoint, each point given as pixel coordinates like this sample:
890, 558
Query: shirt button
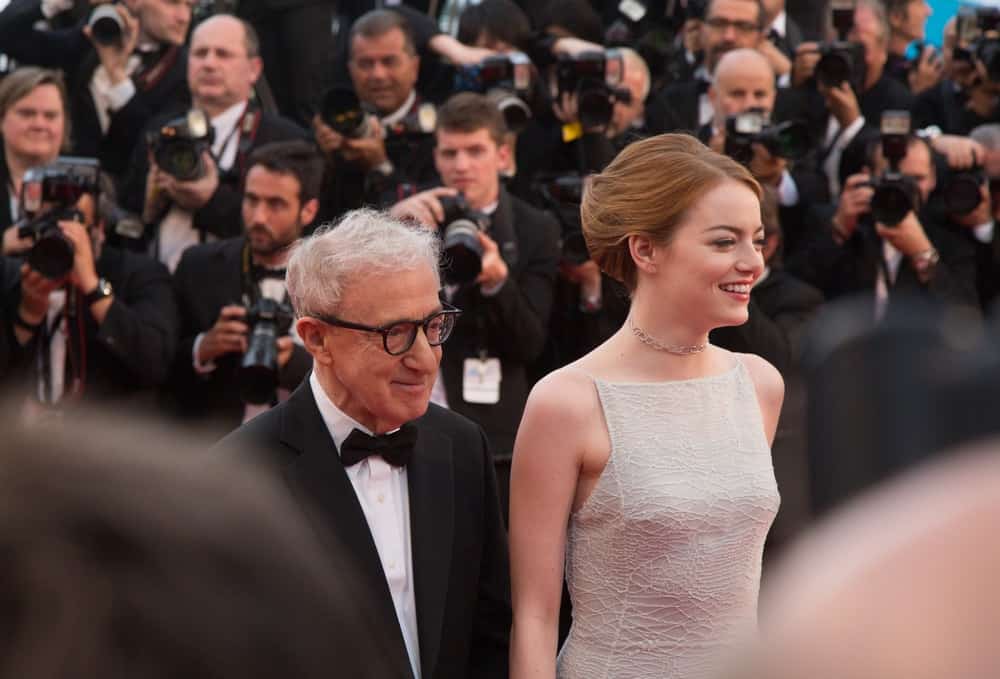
392, 565
381, 498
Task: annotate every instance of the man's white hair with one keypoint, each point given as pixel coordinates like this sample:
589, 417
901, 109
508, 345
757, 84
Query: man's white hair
346, 252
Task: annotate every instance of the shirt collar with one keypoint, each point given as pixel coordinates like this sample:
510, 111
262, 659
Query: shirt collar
780, 24
400, 112
701, 73
337, 422
984, 232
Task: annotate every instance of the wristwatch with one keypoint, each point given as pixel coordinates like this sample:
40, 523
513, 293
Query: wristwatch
102, 290
924, 263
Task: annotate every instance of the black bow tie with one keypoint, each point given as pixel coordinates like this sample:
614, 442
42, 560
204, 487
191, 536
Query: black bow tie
395, 448
260, 273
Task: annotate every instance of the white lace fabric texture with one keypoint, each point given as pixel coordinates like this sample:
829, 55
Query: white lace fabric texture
663, 559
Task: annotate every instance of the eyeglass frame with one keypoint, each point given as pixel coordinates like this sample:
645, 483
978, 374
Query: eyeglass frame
446, 310
742, 27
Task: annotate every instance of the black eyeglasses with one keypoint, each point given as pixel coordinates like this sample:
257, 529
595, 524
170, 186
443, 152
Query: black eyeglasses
720, 24
398, 337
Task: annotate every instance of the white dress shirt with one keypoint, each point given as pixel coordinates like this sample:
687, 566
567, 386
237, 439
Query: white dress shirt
384, 496
177, 232
706, 112
893, 258
836, 141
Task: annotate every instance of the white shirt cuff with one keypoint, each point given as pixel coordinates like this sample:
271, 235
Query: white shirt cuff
120, 94
785, 81
52, 7
788, 192
850, 133
984, 232
200, 368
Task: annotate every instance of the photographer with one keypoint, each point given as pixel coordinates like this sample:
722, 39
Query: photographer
102, 327
121, 70
392, 147
838, 112
860, 254
33, 127
506, 306
744, 83
199, 198
908, 25
220, 286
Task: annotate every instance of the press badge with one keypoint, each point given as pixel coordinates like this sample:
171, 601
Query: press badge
481, 380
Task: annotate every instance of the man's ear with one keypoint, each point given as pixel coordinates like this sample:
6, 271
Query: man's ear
311, 332
307, 213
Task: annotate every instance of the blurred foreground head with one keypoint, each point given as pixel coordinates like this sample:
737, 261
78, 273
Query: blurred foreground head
901, 584
124, 557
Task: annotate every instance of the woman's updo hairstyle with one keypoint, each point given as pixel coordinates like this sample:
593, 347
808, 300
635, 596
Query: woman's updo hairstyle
647, 190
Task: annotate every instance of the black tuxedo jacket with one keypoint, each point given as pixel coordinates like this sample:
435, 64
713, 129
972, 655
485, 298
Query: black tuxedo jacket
209, 277
512, 325
221, 215
944, 105
460, 568
131, 352
6, 217
70, 50
987, 264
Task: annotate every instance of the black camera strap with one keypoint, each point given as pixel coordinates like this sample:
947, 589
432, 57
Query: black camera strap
146, 79
247, 128
251, 291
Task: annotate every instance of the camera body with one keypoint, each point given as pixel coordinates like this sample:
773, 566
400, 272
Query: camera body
842, 60
978, 31
459, 233
895, 193
179, 144
595, 77
343, 112
562, 195
506, 80
962, 192
60, 185
106, 27
789, 139
268, 320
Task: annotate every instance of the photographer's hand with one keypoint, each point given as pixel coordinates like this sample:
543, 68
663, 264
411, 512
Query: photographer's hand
908, 236
779, 62
369, 151
927, 72
982, 213
195, 194
115, 57
767, 168
35, 289
494, 272
565, 108
804, 66
12, 244
424, 207
285, 346
842, 103
961, 152
228, 335
328, 140
855, 200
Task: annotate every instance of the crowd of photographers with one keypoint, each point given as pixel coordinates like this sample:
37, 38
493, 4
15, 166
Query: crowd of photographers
159, 157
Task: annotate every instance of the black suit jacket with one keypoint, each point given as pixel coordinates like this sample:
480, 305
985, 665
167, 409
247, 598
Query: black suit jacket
944, 105
460, 568
131, 352
6, 217
512, 325
221, 215
209, 277
70, 50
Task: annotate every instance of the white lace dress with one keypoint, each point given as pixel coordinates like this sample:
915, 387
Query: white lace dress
663, 559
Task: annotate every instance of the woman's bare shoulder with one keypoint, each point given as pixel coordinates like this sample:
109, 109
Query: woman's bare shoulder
567, 393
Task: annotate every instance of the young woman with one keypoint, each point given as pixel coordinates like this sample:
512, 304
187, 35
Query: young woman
644, 468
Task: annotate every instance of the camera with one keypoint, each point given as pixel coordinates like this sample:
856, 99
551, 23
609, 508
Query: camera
789, 139
595, 77
506, 80
978, 30
841, 60
895, 193
179, 144
59, 185
460, 240
562, 195
106, 25
961, 194
258, 375
343, 112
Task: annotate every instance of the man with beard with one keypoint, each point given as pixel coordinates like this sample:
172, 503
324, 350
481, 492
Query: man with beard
218, 283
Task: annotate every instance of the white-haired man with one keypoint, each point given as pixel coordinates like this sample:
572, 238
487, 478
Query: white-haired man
408, 487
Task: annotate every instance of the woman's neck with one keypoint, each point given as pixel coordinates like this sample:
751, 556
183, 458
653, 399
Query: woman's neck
666, 326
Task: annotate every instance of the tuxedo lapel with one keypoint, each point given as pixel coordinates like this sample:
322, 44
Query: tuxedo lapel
319, 478
430, 479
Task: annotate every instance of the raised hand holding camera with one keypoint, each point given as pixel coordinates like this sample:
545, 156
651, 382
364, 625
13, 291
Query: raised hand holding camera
114, 31
424, 207
228, 335
192, 194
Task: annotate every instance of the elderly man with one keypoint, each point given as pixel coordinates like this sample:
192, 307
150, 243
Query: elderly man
408, 487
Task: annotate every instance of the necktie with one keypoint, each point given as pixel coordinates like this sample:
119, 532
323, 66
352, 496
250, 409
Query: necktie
395, 448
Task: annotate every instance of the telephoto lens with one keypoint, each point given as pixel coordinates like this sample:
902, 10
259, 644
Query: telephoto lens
106, 25
258, 374
463, 254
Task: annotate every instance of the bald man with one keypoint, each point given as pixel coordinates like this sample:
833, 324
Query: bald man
223, 66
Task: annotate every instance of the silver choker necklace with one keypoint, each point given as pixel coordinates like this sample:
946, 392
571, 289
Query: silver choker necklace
682, 350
